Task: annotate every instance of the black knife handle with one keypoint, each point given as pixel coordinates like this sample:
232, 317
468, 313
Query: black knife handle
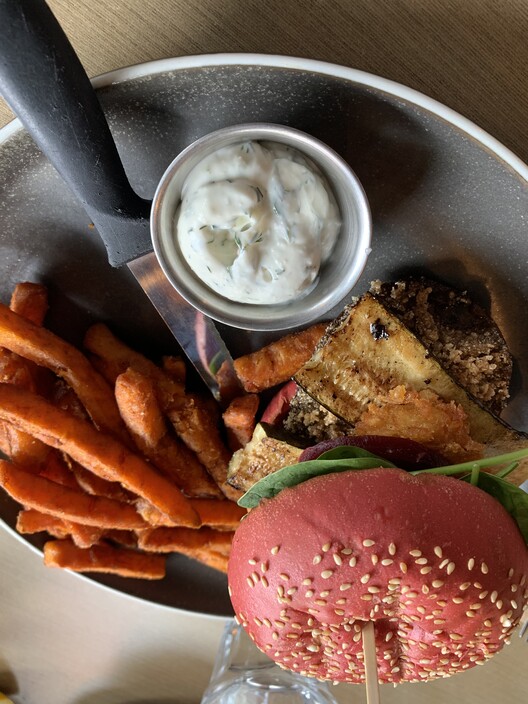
45, 84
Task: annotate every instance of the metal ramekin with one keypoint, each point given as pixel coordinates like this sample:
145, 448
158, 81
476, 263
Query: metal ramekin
336, 277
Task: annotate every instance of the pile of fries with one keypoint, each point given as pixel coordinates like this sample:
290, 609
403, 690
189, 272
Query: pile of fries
107, 451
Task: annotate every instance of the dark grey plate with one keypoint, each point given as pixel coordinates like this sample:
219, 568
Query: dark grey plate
446, 199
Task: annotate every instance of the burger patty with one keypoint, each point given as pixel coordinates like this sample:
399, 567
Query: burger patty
458, 332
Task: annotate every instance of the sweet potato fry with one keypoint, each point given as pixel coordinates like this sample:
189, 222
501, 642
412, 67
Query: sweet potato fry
32, 521
136, 399
175, 368
139, 408
102, 454
46, 349
192, 421
152, 515
114, 358
103, 558
239, 420
30, 300
185, 540
279, 360
97, 486
213, 559
44, 495
220, 515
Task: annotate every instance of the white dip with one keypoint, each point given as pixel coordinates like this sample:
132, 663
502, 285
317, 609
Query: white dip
256, 222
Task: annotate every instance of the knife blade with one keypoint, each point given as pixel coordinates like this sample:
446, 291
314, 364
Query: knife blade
45, 84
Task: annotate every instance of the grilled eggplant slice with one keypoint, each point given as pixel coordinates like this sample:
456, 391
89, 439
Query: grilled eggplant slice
368, 352
268, 450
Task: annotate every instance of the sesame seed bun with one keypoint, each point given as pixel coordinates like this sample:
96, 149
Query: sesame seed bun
437, 564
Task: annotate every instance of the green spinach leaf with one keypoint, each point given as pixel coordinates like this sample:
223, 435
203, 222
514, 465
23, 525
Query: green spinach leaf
338, 459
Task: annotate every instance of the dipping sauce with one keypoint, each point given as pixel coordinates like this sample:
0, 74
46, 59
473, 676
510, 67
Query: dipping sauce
256, 222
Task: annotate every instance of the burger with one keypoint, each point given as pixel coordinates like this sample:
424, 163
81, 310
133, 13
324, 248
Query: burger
340, 535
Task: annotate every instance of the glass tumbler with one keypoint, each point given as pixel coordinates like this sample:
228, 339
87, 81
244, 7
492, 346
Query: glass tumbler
242, 674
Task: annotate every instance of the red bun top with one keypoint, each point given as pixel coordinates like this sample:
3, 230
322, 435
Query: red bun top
436, 563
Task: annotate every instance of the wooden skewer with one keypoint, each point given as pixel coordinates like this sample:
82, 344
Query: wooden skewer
371, 664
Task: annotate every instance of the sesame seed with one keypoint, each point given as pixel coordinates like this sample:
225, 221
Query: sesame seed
444, 563
264, 582
368, 543
392, 549
309, 593
266, 622
317, 559
510, 573
483, 595
437, 583
471, 614
292, 591
275, 635
420, 609
337, 559
415, 553
366, 597
252, 561
257, 621
425, 570
438, 551
284, 576
365, 578
373, 590
280, 590
325, 593
425, 589
320, 602
493, 597
250, 581
455, 636
339, 612
498, 603
326, 574
344, 587
374, 559
388, 636
513, 587
352, 562
514, 604
484, 568
347, 551
457, 600
471, 563
477, 585
395, 580
275, 549
386, 562
312, 648
465, 586
306, 582
403, 567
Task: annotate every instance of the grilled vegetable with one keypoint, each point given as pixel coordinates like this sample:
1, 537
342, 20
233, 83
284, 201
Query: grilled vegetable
368, 352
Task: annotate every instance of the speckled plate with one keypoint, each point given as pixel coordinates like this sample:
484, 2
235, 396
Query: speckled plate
447, 199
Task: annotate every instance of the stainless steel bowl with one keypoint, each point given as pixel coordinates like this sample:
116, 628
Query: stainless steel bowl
336, 277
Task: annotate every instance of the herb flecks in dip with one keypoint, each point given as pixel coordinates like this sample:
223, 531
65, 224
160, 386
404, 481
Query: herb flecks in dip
256, 222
